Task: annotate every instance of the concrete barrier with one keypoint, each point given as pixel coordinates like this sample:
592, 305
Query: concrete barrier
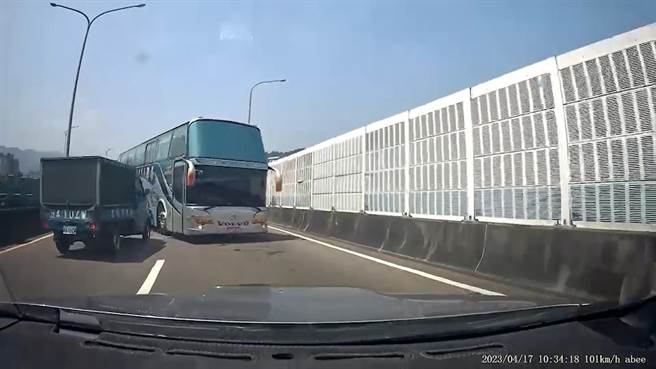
456, 244
299, 219
344, 225
601, 264
286, 216
19, 224
320, 222
371, 230
400, 236
605, 265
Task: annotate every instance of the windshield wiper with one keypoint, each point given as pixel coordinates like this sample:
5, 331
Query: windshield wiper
78, 321
63, 319
482, 324
88, 322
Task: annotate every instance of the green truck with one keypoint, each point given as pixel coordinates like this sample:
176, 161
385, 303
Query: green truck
94, 200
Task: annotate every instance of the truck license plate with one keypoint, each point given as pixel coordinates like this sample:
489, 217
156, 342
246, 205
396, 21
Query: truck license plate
70, 229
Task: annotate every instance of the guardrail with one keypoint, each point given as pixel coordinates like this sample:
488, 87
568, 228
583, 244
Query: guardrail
566, 141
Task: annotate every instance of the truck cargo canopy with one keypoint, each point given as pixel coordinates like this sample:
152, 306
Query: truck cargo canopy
86, 181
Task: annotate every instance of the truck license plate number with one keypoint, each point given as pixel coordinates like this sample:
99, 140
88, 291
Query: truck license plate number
70, 229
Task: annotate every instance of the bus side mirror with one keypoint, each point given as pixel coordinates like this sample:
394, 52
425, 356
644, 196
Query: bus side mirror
277, 178
278, 181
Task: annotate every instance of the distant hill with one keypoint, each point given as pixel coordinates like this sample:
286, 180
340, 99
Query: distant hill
282, 154
29, 160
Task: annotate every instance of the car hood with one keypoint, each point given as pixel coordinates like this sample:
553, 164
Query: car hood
297, 304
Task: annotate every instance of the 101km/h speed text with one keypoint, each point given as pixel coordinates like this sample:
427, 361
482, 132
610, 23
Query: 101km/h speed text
561, 359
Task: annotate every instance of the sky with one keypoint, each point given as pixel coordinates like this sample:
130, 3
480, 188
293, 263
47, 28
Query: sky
347, 62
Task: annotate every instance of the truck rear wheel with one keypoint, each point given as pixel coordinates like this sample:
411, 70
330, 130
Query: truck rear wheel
146, 232
62, 243
115, 245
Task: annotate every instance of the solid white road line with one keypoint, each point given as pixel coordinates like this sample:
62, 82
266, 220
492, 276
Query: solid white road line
400, 267
26, 243
150, 280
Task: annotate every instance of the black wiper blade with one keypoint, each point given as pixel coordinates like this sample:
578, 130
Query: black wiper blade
79, 321
477, 324
481, 324
428, 329
51, 314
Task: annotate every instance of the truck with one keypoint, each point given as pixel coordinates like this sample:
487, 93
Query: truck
94, 200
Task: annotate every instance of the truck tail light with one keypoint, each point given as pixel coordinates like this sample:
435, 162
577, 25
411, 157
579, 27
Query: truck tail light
45, 225
93, 227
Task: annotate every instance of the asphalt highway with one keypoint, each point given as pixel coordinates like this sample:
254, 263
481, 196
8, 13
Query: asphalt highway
35, 271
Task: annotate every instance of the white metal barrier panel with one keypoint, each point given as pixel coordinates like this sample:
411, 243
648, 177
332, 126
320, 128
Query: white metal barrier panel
610, 106
303, 180
385, 166
348, 172
288, 183
568, 140
515, 141
322, 178
438, 166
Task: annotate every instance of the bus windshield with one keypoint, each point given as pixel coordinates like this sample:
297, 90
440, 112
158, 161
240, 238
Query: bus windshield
225, 186
225, 140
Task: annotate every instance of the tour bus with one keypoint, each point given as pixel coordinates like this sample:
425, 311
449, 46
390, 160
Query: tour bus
205, 176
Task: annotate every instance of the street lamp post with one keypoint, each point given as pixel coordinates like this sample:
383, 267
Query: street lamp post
79, 64
66, 135
250, 99
107, 152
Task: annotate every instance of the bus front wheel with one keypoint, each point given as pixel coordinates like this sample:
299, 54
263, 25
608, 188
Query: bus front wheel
161, 218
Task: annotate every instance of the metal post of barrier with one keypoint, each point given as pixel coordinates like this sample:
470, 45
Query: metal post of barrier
469, 154
295, 180
363, 178
331, 153
406, 164
563, 151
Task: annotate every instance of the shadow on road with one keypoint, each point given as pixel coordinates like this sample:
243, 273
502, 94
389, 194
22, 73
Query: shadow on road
133, 250
230, 239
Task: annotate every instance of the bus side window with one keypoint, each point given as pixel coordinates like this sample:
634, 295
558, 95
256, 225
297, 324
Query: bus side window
164, 144
168, 173
178, 142
139, 155
151, 152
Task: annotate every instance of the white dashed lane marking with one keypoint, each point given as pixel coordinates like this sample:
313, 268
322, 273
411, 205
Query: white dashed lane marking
151, 278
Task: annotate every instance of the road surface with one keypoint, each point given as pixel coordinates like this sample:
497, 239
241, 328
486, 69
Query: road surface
35, 271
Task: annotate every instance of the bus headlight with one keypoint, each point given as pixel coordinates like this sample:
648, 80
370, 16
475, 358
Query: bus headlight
201, 220
260, 217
